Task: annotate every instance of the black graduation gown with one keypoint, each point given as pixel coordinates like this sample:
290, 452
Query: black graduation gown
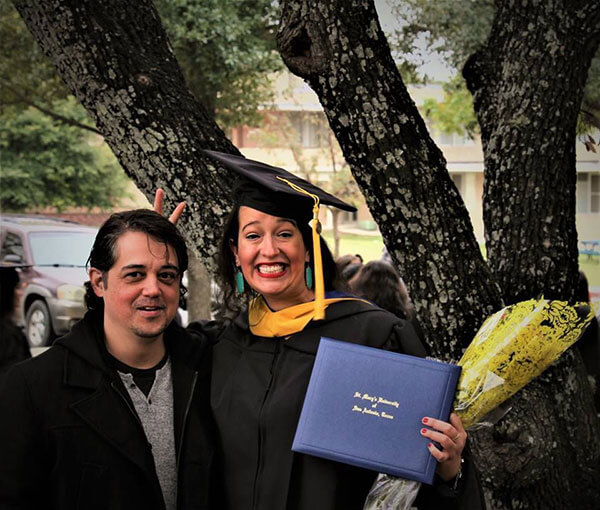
257, 391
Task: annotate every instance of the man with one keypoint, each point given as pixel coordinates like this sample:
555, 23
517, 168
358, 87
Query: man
115, 415
13, 344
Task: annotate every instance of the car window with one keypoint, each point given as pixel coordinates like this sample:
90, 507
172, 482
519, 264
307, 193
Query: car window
61, 248
12, 245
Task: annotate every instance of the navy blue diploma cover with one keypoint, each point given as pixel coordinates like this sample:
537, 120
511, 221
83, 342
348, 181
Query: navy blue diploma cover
364, 407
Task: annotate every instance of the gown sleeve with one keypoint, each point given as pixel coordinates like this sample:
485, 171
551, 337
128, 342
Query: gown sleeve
405, 337
207, 329
466, 494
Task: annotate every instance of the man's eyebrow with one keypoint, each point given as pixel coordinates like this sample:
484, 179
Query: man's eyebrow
133, 266
142, 266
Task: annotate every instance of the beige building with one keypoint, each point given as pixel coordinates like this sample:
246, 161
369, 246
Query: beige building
295, 136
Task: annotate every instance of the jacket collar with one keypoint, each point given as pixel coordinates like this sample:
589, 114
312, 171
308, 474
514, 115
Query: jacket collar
109, 410
86, 349
85, 364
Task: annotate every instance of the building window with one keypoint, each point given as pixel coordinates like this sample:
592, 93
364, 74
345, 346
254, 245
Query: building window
588, 193
452, 139
310, 128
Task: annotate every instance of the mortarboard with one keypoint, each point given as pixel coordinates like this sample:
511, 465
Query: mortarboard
277, 192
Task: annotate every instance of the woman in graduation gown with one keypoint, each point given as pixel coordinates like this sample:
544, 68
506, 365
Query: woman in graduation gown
263, 360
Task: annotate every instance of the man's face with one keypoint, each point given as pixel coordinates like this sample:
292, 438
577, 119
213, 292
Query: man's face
141, 289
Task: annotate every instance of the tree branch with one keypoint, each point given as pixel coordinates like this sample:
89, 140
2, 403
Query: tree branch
57, 116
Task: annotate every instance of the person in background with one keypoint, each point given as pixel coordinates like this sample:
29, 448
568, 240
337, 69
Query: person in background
380, 283
348, 265
589, 343
115, 415
281, 267
13, 344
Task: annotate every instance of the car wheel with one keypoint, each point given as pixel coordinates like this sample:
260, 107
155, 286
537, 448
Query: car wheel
38, 325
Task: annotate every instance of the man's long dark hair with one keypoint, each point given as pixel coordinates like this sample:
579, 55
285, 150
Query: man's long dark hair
226, 262
103, 254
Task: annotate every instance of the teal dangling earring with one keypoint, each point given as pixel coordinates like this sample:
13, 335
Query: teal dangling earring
308, 276
239, 281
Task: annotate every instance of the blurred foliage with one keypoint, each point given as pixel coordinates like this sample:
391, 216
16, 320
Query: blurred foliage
26, 75
589, 117
455, 30
48, 164
45, 162
455, 114
227, 52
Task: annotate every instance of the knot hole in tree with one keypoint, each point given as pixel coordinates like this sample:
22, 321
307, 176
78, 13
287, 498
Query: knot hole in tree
143, 80
300, 45
300, 52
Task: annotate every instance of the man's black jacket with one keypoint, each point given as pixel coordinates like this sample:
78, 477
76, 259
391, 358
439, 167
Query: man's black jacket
70, 438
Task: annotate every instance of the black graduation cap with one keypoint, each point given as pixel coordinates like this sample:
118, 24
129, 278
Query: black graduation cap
276, 191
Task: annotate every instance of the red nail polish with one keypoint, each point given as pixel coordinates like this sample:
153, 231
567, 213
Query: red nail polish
424, 420
423, 431
430, 445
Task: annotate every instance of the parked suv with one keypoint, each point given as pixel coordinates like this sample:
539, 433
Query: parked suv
54, 253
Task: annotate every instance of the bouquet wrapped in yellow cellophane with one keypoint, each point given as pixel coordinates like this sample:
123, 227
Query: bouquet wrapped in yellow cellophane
512, 348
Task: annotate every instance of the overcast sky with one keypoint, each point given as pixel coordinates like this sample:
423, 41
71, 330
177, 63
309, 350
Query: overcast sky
434, 67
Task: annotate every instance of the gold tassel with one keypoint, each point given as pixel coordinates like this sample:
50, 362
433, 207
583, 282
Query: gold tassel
318, 263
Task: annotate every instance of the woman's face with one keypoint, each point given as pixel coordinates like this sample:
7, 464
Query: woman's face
272, 256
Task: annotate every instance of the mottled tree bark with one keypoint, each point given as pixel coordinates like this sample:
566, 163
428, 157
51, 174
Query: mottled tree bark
539, 456
199, 291
115, 58
339, 48
528, 82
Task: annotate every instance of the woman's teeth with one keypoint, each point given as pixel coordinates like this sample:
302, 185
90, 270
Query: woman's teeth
271, 268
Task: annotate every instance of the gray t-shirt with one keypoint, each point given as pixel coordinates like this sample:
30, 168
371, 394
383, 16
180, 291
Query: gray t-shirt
156, 414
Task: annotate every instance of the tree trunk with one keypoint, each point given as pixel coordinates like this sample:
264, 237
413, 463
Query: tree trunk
199, 291
114, 56
335, 220
339, 49
528, 135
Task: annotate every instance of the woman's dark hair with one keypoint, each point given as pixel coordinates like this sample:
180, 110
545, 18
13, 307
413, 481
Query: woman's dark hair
344, 261
9, 279
582, 291
226, 261
103, 255
379, 282
350, 270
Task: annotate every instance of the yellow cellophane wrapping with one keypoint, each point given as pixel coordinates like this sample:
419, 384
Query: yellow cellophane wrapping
513, 347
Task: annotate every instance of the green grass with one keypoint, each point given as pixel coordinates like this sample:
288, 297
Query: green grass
369, 247
591, 268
